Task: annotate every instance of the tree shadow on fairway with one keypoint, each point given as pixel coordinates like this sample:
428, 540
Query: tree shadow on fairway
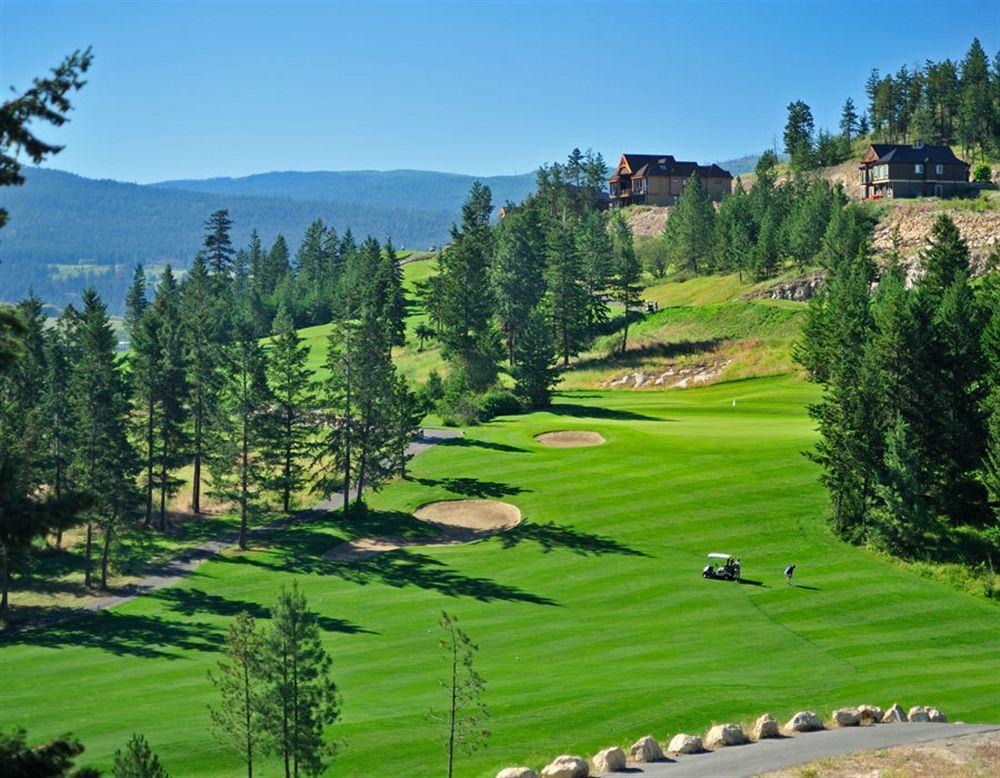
123, 635
751, 582
299, 550
191, 601
550, 536
810, 588
473, 487
474, 443
596, 412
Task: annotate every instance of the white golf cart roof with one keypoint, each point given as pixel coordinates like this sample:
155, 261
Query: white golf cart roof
717, 555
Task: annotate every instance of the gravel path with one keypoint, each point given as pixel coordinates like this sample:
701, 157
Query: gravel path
173, 571
768, 755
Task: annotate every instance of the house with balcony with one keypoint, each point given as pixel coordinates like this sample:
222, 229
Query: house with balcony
897, 170
659, 179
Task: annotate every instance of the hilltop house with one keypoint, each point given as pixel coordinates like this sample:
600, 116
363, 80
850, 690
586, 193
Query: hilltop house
895, 170
659, 179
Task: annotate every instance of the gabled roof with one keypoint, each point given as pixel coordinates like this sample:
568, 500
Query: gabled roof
646, 165
897, 152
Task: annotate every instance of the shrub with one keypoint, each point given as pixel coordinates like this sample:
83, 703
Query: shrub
498, 402
458, 405
982, 174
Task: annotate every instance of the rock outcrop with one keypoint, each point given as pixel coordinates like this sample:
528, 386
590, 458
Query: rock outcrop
846, 717
685, 744
671, 378
645, 749
725, 735
804, 721
894, 715
936, 716
918, 713
764, 727
609, 760
517, 772
869, 714
566, 766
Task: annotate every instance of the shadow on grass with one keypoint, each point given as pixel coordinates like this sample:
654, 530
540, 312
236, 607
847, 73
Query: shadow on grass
751, 582
551, 536
473, 487
810, 588
473, 443
299, 550
596, 412
121, 634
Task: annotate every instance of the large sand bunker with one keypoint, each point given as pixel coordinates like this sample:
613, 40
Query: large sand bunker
459, 521
570, 438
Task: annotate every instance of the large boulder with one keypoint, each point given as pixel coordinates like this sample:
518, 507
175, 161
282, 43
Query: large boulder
517, 772
804, 721
918, 713
894, 715
725, 735
869, 714
846, 717
764, 727
936, 716
685, 744
609, 760
646, 749
566, 766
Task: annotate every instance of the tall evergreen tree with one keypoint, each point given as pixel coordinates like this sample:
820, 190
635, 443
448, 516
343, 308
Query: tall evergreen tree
566, 298
302, 698
237, 720
627, 271
135, 300
239, 428
516, 273
798, 135
218, 247
535, 371
597, 258
688, 235
291, 385
137, 760
848, 119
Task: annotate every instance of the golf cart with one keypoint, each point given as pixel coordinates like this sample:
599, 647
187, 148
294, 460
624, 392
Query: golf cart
724, 567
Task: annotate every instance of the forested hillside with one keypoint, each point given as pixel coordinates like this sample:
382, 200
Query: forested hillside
66, 231
419, 189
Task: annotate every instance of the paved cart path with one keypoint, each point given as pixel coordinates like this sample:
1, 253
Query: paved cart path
177, 568
768, 755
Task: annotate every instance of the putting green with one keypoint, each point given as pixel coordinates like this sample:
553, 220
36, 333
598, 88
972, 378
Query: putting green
594, 623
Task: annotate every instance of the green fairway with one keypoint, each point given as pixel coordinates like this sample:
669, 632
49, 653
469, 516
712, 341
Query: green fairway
594, 624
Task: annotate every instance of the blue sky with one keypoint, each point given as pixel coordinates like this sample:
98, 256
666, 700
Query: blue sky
198, 89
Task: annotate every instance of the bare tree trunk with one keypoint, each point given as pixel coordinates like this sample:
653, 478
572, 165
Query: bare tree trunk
149, 462
163, 485
4, 577
244, 466
108, 530
196, 479
89, 554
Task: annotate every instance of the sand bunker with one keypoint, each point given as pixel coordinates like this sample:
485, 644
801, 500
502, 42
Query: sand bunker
459, 521
569, 438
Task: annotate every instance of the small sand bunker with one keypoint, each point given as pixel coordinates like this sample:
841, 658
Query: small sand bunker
570, 438
459, 521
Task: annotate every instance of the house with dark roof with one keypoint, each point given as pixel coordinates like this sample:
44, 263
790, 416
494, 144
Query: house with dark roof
896, 170
659, 179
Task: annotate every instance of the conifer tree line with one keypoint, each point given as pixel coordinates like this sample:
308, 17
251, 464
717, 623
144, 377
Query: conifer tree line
96, 437
910, 412
756, 233
529, 293
941, 102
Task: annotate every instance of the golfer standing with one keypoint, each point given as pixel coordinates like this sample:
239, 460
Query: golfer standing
789, 572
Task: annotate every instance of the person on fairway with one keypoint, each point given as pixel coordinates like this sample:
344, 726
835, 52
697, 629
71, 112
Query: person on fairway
789, 572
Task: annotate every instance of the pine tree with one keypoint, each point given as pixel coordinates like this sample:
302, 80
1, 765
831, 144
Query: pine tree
103, 460
848, 119
627, 271
466, 714
135, 300
137, 760
798, 135
465, 304
904, 520
689, 231
218, 246
301, 697
202, 354
239, 428
567, 297
56, 411
171, 388
990, 302
535, 371
291, 385
976, 112
236, 721
144, 378
597, 258
516, 273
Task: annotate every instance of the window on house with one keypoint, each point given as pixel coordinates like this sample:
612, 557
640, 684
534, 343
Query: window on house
939, 169
918, 168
